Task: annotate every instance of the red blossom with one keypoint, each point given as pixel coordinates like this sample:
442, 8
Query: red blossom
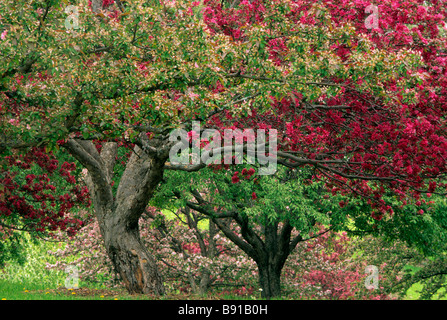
16, 195
235, 178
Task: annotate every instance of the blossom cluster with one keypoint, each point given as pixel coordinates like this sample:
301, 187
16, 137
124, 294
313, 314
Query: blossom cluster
34, 193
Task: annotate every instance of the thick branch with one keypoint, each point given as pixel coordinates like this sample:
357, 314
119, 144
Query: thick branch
100, 184
138, 182
247, 248
108, 155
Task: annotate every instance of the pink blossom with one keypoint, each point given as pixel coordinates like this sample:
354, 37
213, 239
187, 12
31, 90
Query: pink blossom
14, 122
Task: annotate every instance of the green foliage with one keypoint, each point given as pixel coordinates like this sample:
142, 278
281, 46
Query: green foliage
31, 268
12, 249
288, 195
420, 224
413, 237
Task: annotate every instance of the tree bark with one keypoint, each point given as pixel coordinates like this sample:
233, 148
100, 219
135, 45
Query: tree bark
131, 259
269, 279
118, 215
270, 253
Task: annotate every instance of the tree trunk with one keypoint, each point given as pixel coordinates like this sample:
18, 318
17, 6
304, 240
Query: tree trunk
205, 281
269, 280
131, 259
118, 215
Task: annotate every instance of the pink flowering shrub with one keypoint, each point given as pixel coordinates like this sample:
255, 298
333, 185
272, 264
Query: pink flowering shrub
333, 266
323, 268
197, 259
184, 264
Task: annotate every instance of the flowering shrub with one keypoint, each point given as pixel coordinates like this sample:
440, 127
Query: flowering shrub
183, 263
196, 259
324, 268
333, 266
33, 193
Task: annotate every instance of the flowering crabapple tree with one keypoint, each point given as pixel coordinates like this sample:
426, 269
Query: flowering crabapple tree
364, 153
344, 135
365, 108
37, 193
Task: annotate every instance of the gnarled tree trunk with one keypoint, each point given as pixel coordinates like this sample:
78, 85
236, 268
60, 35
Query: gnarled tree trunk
118, 215
270, 253
131, 259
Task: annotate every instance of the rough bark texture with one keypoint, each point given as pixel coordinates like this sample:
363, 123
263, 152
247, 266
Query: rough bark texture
269, 279
118, 215
131, 259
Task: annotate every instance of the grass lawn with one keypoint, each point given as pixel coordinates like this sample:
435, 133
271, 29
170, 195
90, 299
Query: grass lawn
31, 291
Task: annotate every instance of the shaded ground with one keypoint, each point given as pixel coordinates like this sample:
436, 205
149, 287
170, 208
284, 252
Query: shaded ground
118, 294
84, 292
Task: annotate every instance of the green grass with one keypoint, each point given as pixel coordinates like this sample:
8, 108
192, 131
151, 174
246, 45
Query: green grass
27, 291
32, 291
33, 281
